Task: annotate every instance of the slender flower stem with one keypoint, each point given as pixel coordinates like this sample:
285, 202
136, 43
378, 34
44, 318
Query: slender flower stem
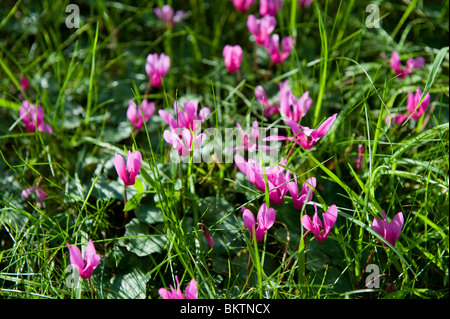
92, 288
292, 259
125, 200
363, 272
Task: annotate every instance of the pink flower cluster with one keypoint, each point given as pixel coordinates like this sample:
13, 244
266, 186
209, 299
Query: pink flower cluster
183, 134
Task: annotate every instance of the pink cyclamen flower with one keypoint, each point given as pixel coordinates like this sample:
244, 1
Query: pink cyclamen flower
134, 114
157, 67
261, 97
415, 109
33, 117
175, 293
412, 103
271, 107
166, 14
272, 46
270, 7
304, 3
242, 5
85, 266
265, 219
188, 118
249, 141
129, 172
315, 225
389, 231
40, 194
233, 57
293, 108
276, 179
261, 28
184, 142
299, 200
411, 64
304, 136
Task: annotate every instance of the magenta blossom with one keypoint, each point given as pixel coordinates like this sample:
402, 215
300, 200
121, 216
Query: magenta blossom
304, 136
184, 142
415, 109
265, 218
134, 114
33, 117
190, 292
249, 142
299, 200
39, 192
413, 105
270, 7
261, 28
315, 225
304, 3
166, 14
389, 231
272, 46
276, 179
157, 67
128, 174
271, 108
233, 57
24, 82
242, 5
411, 64
188, 118
293, 108
85, 266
